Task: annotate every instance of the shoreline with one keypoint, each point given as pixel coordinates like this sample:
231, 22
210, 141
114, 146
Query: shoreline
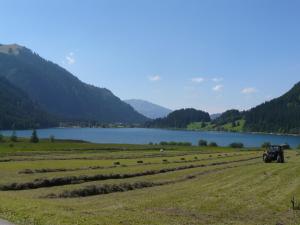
157, 128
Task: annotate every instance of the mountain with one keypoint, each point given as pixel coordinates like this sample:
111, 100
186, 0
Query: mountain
148, 109
215, 116
280, 115
59, 92
18, 111
180, 119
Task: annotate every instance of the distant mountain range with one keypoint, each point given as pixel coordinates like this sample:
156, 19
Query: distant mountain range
60, 93
215, 116
148, 109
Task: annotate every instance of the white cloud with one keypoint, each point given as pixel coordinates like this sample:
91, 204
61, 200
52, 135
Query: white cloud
70, 58
217, 79
218, 87
197, 80
155, 78
249, 90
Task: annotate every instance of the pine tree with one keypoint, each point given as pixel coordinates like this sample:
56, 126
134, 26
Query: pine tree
34, 138
13, 136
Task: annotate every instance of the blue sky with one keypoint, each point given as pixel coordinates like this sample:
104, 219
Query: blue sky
211, 55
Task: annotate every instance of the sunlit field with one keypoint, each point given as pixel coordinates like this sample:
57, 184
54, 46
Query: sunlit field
69, 182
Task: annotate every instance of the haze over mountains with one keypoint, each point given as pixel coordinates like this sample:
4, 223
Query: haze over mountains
148, 109
60, 93
38, 93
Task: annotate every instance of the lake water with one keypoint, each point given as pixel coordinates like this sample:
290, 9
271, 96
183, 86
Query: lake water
144, 136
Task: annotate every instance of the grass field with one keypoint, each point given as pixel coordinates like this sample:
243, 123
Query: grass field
69, 183
198, 126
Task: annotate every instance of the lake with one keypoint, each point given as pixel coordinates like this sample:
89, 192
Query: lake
144, 136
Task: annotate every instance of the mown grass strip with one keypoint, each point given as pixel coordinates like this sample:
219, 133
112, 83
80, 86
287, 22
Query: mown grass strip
44, 182
53, 170
123, 187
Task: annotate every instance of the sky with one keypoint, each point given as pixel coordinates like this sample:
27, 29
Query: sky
212, 55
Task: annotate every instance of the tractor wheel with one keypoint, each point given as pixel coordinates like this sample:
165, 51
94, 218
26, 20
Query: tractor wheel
265, 158
279, 159
282, 158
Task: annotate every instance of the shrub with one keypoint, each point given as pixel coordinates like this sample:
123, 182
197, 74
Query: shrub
236, 145
52, 138
140, 161
165, 160
213, 144
202, 143
266, 145
117, 163
185, 144
182, 159
1, 138
195, 157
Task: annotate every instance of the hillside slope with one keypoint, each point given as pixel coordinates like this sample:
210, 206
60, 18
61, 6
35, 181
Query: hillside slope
59, 92
280, 115
18, 111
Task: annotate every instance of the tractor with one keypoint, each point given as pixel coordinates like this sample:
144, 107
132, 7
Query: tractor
275, 153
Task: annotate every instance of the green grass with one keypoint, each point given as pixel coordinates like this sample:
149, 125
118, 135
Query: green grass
198, 126
224, 190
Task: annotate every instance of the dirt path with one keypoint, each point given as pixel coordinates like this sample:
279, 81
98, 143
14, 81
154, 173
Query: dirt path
4, 222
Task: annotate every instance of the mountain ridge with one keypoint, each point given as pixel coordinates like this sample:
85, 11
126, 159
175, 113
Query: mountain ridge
59, 92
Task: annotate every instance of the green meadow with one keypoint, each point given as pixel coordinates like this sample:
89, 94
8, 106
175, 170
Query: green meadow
73, 182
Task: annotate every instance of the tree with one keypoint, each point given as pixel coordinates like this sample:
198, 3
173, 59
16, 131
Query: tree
1, 137
52, 138
213, 144
34, 138
236, 145
13, 136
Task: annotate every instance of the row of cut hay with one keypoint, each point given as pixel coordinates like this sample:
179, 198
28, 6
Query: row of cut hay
45, 182
183, 160
123, 187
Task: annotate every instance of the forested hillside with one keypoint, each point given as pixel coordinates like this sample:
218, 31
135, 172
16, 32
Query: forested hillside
180, 119
280, 115
59, 92
18, 111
